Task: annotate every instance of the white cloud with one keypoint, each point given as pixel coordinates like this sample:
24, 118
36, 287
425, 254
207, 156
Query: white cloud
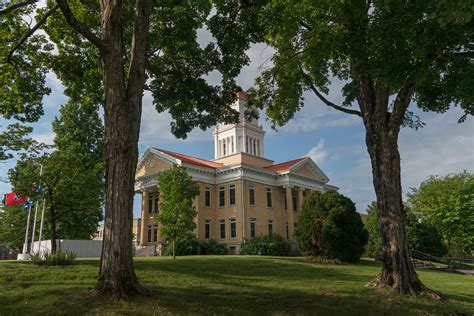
44, 137
318, 153
155, 127
442, 147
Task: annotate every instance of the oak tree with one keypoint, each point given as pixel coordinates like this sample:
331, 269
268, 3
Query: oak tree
387, 54
113, 51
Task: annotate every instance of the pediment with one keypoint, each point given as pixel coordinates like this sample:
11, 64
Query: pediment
152, 163
309, 169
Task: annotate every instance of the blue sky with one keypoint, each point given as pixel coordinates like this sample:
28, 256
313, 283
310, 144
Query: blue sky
334, 140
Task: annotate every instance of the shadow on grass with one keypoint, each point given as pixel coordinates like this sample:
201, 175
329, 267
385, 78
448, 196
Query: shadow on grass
217, 285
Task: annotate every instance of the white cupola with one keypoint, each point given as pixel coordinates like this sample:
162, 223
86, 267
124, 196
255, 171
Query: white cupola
246, 136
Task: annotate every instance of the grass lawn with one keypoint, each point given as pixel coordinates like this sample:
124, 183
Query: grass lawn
227, 285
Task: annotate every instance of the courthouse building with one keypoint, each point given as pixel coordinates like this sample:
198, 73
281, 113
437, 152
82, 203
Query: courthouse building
243, 194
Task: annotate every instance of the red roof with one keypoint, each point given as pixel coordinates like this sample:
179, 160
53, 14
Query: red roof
192, 160
284, 165
241, 94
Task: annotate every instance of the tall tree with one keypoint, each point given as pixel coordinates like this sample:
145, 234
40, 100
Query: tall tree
12, 226
448, 204
177, 212
387, 53
121, 45
72, 177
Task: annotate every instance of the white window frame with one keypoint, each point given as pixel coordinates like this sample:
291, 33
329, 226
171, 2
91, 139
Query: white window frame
252, 187
221, 189
231, 187
221, 221
232, 221
207, 223
269, 190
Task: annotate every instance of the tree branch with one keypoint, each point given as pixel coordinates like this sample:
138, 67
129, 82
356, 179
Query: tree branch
136, 71
326, 101
80, 28
402, 101
31, 31
17, 6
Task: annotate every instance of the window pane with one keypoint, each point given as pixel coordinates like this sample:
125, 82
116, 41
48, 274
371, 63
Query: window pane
252, 195
221, 196
150, 205
270, 227
157, 198
232, 194
207, 229
155, 232
252, 227
149, 233
208, 197
233, 228
222, 229
269, 198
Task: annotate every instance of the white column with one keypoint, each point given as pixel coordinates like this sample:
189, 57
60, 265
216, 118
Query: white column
233, 143
262, 154
216, 147
258, 147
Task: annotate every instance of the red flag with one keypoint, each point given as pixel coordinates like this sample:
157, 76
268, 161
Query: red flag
13, 199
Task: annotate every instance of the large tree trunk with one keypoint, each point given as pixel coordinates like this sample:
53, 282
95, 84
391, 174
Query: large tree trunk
123, 103
382, 126
398, 271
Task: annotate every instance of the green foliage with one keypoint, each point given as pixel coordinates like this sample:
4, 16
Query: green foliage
391, 43
22, 73
329, 226
421, 235
177, 212
186, 245
58, 258
448, 204
72, 175
13, 226
212, 247
374, 244
267, 245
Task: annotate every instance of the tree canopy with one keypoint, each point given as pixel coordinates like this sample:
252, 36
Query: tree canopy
72, 175
387, 54
176, 210
448, 204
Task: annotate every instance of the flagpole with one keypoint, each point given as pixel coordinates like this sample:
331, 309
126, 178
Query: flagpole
34, 228
34, 222
41, 226
25, 245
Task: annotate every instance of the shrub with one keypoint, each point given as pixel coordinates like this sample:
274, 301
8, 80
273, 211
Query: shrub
269, 245
330, 226
421, 235
212, 247
58, 258
374, 245
185, 246
424, 237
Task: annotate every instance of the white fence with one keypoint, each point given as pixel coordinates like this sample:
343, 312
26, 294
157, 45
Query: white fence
82, 248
